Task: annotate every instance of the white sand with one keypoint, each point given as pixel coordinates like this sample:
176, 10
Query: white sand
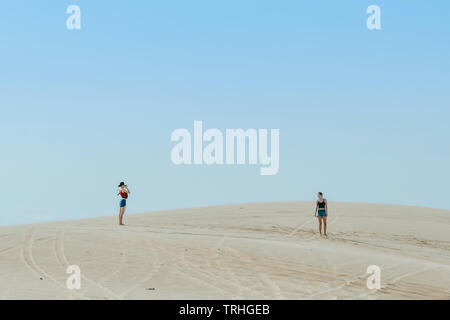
248, 251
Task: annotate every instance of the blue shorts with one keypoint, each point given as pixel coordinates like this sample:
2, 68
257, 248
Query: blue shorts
123, 203
321, 213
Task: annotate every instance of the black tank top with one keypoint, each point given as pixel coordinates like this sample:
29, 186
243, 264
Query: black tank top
321, 204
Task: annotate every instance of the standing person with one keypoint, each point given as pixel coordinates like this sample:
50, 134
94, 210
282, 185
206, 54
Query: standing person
322, 212
123, 192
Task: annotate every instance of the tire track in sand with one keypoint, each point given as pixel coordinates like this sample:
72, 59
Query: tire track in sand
395, 280
6, 250
196, 275
60, 252
234, 279
237, 282
350, 282
155, 265
30, 262
262, 276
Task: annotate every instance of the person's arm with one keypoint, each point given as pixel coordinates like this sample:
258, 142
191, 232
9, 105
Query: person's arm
128, 190
326, 208
315, 211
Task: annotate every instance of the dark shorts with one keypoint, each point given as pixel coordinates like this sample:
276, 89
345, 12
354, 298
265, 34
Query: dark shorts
123, 203
321, 213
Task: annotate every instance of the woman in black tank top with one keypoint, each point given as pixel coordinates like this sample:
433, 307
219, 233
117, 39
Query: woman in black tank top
322, 213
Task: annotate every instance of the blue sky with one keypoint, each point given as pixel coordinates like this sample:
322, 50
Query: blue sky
363, 115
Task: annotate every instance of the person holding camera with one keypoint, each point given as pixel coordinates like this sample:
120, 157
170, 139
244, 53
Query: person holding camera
123, 193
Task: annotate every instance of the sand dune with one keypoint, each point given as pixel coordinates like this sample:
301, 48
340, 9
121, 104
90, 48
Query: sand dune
247, 251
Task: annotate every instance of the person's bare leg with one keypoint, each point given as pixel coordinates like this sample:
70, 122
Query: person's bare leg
122, 211
325, 225
320, 225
